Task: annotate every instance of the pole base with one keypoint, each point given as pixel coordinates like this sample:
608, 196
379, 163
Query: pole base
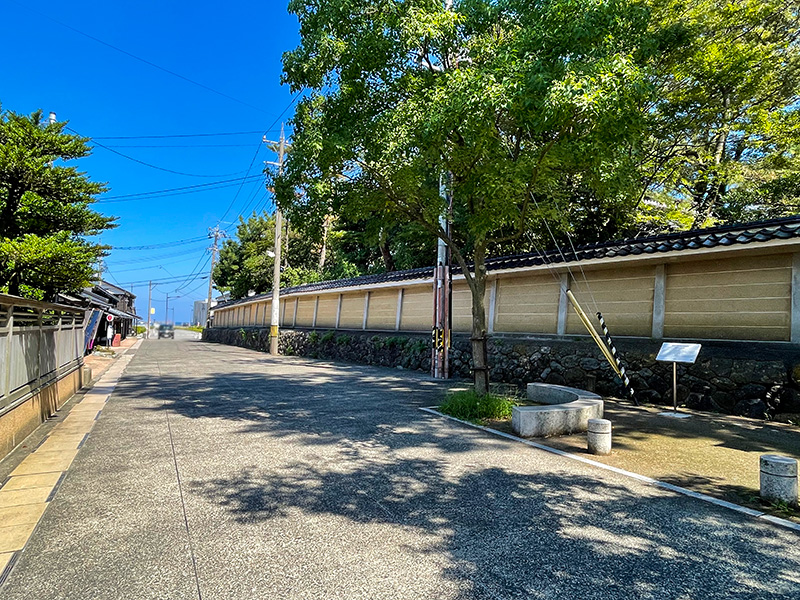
674, 415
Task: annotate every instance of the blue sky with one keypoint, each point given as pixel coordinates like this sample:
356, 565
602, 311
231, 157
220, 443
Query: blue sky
233, 47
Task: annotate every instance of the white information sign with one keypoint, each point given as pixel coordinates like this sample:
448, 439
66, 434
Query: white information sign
679, 353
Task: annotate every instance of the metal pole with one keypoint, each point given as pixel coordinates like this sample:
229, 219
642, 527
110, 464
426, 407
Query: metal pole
149, 307
675, 386
274, 330
166, 310
441, 296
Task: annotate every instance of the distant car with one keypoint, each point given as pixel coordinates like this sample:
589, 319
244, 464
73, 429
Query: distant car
166, 331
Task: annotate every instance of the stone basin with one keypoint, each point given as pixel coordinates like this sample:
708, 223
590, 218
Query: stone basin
567, 410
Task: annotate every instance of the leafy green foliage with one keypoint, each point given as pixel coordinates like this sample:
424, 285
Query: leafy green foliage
537, 109
470, 406
45, 209
724, 123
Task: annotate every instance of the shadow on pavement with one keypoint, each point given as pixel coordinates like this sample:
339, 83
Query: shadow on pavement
509, 532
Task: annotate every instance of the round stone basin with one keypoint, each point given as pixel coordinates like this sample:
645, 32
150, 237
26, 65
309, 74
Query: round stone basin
564, 410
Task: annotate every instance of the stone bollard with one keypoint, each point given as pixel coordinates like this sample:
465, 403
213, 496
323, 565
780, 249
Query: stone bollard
598, 436
779, 478
86, 376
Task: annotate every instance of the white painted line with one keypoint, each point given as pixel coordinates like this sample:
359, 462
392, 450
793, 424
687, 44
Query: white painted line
649, 480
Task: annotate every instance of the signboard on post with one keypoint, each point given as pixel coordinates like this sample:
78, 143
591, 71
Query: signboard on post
677, 353
682, 353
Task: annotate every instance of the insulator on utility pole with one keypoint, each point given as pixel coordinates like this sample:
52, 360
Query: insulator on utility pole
216, 233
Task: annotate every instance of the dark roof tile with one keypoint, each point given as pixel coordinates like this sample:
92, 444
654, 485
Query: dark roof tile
726, 235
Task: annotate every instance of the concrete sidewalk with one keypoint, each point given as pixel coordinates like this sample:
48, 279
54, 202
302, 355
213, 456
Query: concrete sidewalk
217, 472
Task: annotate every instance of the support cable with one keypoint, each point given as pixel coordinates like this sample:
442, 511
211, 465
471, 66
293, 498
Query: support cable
620, 367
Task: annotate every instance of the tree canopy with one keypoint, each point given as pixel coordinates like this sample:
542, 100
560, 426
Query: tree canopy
547, 119
528, 108
45, 209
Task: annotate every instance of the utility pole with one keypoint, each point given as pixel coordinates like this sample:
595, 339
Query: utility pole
166, 310
274, 329
442, 304
215, 233
149, 309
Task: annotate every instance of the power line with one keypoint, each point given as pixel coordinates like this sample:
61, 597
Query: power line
188, 281
253, 160
171, 146
147, 164
177, 135
140, 59
161, 245
163, 280
183, 189
150, 267
130, 261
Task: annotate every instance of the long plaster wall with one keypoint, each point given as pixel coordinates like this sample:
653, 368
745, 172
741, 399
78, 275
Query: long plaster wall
744, 293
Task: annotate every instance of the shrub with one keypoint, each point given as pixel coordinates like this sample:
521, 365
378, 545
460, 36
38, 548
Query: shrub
328, 336
343, 339
469, 406
313, 337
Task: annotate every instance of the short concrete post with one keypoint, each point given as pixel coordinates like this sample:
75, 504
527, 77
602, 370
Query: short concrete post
86, 376
779, 478
598, 436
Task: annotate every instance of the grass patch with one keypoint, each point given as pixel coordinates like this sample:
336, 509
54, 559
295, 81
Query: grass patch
469, 406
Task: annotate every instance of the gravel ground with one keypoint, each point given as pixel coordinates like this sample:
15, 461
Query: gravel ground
217, 472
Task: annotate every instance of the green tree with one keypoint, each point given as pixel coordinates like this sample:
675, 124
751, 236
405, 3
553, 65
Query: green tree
533, 107
246, 263
724, 125
45, 209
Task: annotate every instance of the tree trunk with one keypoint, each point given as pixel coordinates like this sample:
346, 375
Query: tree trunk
386, 254
480, 363
326, 226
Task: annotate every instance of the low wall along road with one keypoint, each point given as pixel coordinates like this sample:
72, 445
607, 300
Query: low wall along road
735, 289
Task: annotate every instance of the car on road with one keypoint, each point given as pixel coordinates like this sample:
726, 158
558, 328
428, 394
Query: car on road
166, 330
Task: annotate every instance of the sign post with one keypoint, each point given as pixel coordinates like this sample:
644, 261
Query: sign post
677, 353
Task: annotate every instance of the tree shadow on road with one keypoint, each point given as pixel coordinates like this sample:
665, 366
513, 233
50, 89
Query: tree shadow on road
358, 451
525, 535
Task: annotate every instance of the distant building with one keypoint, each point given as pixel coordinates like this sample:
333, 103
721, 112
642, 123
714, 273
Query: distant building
110, 311
200, 312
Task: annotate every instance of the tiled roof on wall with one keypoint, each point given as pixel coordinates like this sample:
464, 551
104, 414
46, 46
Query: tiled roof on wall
726, 235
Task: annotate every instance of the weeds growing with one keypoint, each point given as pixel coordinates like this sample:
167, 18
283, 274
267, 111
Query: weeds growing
469, 406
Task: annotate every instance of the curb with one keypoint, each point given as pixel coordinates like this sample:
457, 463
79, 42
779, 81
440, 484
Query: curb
642, 478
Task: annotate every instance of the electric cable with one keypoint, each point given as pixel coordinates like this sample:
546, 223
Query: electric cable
253, 160
165, 280
145, 259
179, 191
171, 146
177, 135
161, 245
189, 282
154, 267
147, 164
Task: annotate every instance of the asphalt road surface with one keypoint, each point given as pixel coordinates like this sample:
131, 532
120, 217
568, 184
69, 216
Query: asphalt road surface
216, 472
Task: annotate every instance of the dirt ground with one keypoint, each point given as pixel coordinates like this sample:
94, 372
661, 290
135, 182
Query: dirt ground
713, 454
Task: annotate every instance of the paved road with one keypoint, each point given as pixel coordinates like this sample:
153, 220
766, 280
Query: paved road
217, 472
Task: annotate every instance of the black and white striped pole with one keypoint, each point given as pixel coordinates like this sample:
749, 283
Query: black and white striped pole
620, 367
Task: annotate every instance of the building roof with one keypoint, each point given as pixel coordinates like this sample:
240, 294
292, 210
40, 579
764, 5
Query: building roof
712, 237
113, 289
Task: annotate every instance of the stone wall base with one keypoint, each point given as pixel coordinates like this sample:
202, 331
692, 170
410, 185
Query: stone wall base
19, 422
731, 377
